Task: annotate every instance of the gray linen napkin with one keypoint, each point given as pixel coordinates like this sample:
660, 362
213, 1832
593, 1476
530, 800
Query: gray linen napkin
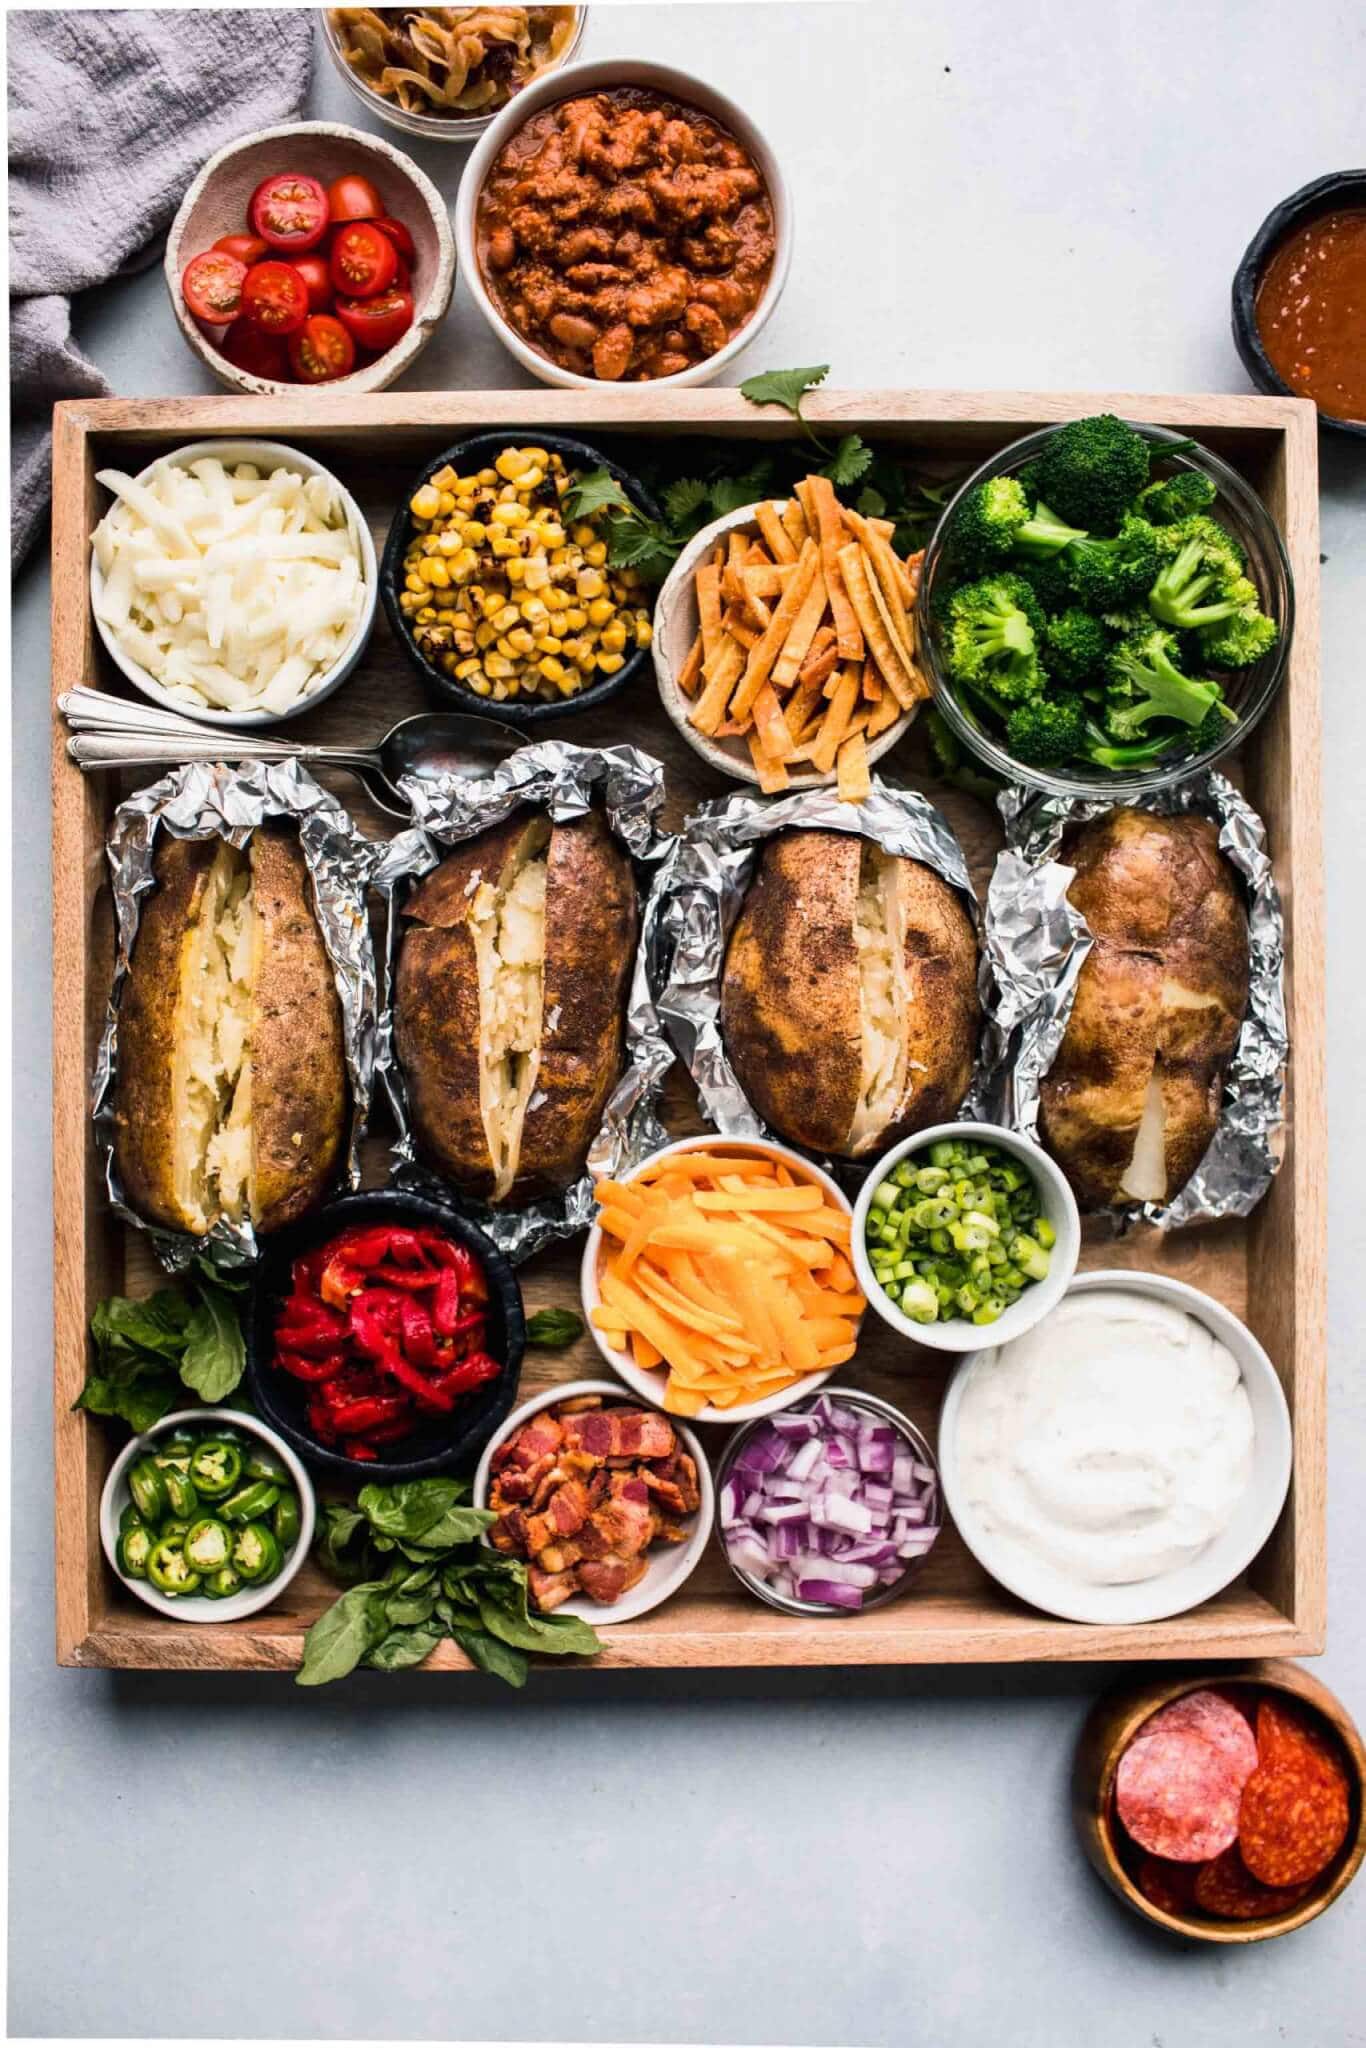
110, 116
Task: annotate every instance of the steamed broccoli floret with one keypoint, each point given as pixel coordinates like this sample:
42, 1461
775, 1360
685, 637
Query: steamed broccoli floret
1176, 497
1202, 579
1239, 640
1091, 471
994, 626
951, 764
1146, 754
1145, 683
987, 521
1047, 577
1047, 732
1107, 574
1075, 645
1044, 534
1213, 728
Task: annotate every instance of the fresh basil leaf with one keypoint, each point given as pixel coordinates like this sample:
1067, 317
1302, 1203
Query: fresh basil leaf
409, 1610
411, 1507
335, 1544
128, 1331
139, 1397
551, 1329
344, 1635
786, 388
403, 1648
851, 458
234, 1279
499, 1659
554, 1635
215, 1354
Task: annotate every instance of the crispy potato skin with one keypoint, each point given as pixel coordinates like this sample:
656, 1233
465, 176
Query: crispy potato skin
1168, 922
789, 990
150, 1011
590, 938
939, 955
590, 944
790, 1014
299, 1088
436, 1003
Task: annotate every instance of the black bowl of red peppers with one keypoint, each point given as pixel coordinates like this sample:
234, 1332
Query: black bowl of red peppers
385, 1337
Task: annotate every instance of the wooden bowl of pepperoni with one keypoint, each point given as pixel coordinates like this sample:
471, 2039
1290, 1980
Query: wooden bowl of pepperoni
1225, 1808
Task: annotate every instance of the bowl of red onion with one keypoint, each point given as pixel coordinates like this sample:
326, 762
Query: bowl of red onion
830, 1507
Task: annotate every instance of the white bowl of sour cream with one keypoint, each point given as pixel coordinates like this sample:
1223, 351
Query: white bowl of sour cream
1123, 1460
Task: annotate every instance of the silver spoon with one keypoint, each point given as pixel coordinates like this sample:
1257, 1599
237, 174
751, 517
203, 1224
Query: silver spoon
109, 732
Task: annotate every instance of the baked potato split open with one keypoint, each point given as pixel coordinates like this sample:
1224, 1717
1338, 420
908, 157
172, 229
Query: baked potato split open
231, 1093
509, 997
1132, 1100
849, 996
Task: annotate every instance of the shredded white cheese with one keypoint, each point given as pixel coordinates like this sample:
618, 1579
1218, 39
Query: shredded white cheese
236, 591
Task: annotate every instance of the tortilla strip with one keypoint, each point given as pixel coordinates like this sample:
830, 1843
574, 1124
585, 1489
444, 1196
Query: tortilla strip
794, 521
852, 779
761, 658
875, 535
709, 614
710, 708
772, 775
774, 532
690, 673
763, 579
835, 725
797, 646
829, 523
872, 682
856, 581
884, 713
771, 726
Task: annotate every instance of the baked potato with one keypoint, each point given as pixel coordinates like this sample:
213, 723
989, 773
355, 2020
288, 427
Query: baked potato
509, 1002
1132, 1100
849, 1005
231, 1093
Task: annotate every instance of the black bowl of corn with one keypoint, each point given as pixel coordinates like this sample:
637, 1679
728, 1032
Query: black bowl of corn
502, 595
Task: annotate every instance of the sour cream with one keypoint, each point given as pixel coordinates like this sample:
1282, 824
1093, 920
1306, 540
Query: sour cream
1110, 1443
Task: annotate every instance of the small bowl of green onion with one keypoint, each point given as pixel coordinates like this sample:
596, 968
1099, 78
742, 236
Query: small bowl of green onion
963, 1229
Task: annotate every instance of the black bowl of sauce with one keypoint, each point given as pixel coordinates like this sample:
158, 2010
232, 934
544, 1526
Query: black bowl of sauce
1299, 300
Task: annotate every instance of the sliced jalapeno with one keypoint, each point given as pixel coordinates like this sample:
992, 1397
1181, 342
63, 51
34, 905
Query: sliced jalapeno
255, 1553
285, 1520
249, 1502
208, 1546
215, 1468
176, 1458
174, 1528
180, 1493
170, 1570
147, 1486
135, 1548
130, 1519
222, 1584
262, 1463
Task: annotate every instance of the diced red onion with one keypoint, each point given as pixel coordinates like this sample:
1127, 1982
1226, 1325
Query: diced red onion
828, 1504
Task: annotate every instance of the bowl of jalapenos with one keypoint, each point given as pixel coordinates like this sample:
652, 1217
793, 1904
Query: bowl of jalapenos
207, 1516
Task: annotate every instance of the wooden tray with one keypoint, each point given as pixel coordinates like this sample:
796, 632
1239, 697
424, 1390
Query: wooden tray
1269, 1270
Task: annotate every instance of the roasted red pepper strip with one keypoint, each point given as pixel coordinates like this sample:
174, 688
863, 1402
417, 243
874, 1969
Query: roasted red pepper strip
464, 1378
419, 1343
358, 1418
325, 1366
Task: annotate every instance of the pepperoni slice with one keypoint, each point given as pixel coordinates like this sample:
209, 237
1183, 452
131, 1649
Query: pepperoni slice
1217, 1720
1227, 1889
1168, 1885
1297, 1804
1177, 1795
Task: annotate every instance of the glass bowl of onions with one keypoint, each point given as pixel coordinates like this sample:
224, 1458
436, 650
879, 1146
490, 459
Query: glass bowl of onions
829, 1507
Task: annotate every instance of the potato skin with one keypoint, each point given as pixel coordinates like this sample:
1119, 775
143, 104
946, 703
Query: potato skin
790, 1016
150, 1011
590, 944
299, 1088
1166, 914
590, 939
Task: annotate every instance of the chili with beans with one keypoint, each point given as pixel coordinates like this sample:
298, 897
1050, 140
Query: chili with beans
625, 235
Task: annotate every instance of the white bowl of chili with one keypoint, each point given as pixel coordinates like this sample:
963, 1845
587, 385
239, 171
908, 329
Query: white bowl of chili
732, 302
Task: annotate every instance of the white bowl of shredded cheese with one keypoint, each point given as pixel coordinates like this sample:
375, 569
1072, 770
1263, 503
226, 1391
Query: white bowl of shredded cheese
233, 581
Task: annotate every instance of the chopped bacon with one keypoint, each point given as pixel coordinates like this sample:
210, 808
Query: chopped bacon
607, 1582
621, 1433
550, 1589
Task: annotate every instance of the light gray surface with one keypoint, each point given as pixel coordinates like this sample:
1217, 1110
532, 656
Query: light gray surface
839, 1858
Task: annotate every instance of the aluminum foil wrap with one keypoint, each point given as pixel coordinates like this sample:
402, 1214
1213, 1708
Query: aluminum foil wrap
565, 781
207, 799
697, 898
1035, 944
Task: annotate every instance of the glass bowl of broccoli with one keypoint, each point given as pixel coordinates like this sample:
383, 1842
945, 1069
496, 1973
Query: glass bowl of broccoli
1105, 609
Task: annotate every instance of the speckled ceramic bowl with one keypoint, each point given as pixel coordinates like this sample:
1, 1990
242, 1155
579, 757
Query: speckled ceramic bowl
216, 204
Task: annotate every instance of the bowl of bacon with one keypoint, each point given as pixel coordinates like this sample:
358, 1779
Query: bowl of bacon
610, 1503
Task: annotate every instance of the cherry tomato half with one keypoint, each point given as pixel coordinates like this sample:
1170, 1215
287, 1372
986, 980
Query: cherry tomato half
363, 260
247, 249
260, 355
399, 236
318, 280
289, 211
275, 298
212, 285
321, 350
377, 323
353, 197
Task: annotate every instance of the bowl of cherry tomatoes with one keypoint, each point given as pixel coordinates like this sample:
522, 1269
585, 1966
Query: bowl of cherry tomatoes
310, 254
